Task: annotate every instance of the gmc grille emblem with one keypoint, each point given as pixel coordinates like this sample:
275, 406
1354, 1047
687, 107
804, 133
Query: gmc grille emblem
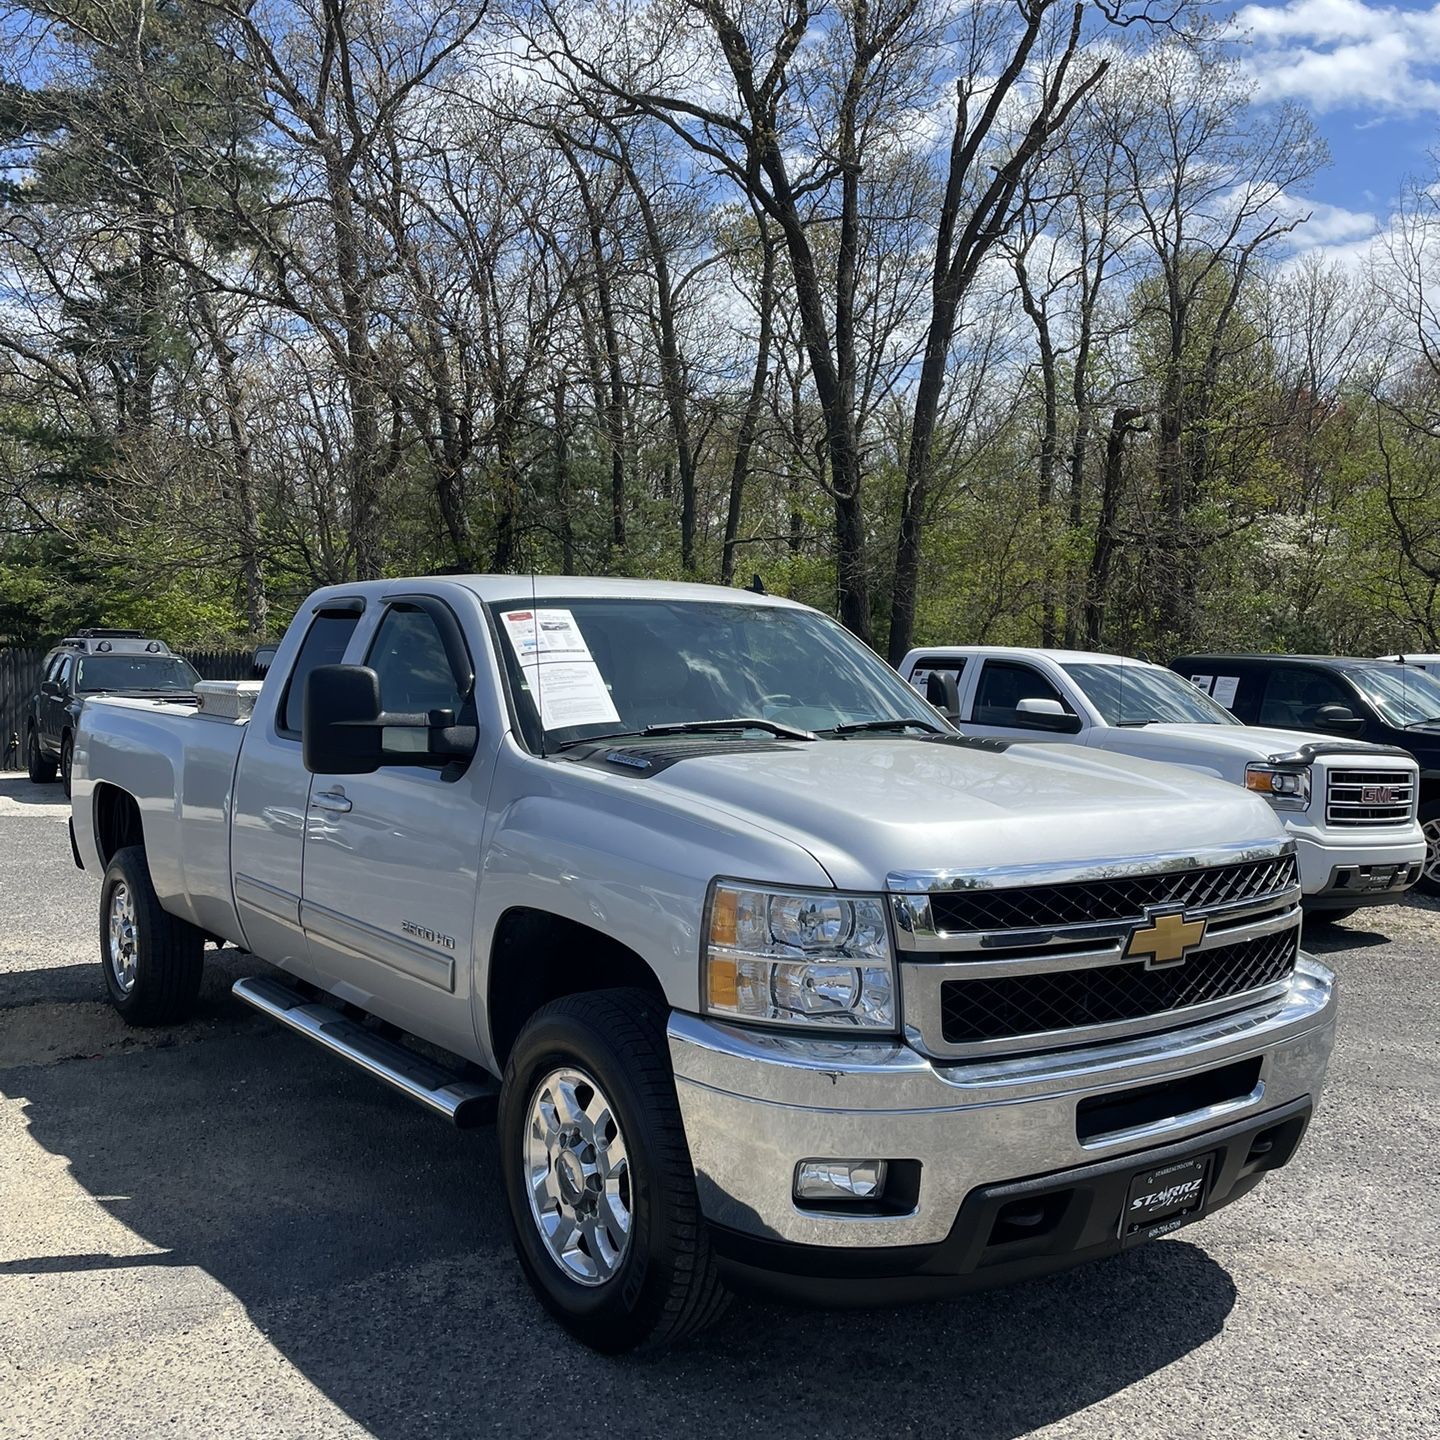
1377, 795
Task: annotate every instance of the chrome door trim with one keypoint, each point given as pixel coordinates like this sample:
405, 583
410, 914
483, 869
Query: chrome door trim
269, 900
371, 943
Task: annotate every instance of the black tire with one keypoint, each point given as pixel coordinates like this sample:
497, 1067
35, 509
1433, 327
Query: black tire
41, 768
1429, 881
168, 953
67, 760
665, 1285
1330, 917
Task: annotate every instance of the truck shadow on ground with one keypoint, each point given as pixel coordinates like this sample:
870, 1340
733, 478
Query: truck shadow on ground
368, 1244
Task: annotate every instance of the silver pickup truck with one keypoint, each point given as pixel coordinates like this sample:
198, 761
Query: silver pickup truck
765, 973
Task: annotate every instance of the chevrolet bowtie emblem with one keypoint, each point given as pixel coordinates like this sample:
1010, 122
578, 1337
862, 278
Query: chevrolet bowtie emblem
1164, 940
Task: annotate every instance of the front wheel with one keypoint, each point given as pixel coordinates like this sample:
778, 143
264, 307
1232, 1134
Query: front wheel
598, 1177
67, 759
1429, 882
152, 961
39, 766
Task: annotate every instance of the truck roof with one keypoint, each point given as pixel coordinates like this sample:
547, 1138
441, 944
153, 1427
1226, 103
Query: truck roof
491, 588
1061, 657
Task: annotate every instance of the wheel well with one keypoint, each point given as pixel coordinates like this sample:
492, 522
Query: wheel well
1429, 792
538, 957
117, 821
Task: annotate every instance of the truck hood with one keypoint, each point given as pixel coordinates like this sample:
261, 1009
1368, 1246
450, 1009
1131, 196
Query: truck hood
868, 807
1228, 747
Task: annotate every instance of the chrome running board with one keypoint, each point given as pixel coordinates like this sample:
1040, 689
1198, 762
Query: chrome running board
465, 1102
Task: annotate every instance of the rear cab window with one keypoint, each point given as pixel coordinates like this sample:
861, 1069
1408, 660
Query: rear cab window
928, 672
325, 643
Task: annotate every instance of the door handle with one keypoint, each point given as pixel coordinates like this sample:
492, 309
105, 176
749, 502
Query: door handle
331, 800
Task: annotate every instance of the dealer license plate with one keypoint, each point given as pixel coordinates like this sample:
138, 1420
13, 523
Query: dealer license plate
1164, 1199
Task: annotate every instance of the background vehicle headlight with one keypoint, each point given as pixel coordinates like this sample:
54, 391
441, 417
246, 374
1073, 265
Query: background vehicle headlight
1285, 787
792, 958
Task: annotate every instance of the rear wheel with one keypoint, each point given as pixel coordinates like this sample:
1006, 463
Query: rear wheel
1429, 880
600, 1185
39, 765
152, 960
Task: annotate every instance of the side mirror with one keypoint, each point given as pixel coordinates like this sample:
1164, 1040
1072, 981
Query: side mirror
1339, 719
1045, 714
50, 688
942, 690
344, 730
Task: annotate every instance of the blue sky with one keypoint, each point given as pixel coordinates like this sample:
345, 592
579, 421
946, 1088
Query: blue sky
1370, 75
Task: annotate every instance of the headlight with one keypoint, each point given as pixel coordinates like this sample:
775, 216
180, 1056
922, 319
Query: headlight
789, 958
1285, 787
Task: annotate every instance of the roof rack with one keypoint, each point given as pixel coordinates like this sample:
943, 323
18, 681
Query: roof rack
98, 634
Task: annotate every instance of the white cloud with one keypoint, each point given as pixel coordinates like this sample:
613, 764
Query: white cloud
1336, 53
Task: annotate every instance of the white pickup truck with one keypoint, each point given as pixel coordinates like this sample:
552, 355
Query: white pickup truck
1350, 806
764, 973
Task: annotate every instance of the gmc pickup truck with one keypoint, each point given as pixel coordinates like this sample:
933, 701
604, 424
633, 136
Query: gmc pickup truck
1350, 806
765, 974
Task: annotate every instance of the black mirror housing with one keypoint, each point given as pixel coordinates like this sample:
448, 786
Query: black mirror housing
340, 733
1055, 724
343, 728
1339, 720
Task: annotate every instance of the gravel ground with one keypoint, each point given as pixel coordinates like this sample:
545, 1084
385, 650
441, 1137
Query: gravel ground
220, 1231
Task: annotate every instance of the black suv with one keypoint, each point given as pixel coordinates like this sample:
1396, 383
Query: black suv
95, 662
1375, 700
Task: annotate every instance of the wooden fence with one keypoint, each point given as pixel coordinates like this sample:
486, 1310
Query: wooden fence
20, 675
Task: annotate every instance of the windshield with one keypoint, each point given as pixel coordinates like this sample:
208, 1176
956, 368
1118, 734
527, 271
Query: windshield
1146, 695
607, 666
1401, 693
98, 673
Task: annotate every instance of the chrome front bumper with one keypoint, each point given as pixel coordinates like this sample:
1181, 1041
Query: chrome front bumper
755, 1104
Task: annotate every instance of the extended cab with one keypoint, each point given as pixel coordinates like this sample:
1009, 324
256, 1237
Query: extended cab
1349, 806
763, 971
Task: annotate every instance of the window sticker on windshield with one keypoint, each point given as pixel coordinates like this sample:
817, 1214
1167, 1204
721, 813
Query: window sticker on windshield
559, 669
1226, 687
1202, 682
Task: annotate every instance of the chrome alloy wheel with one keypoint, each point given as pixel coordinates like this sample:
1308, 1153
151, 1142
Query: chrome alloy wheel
1431, 829
123, 941
578, 1176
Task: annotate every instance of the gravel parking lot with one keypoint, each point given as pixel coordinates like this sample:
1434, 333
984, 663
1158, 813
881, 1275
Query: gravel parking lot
220, 1231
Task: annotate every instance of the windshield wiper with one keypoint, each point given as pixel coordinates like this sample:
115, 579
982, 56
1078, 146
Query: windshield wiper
695, 727
859, 727
1133, 724
1415, 724
738, 722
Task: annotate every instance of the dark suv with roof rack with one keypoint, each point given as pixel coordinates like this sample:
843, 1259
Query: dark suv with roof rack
95, 662
1362, 699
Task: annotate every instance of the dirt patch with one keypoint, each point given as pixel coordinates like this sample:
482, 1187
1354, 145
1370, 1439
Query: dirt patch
46, 1034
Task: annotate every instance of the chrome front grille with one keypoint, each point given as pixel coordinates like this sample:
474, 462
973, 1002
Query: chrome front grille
1369, 797
1035, 958
1103, 898
1001, 1007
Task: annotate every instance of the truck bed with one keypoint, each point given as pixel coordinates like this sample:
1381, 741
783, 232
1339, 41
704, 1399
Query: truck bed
179, 764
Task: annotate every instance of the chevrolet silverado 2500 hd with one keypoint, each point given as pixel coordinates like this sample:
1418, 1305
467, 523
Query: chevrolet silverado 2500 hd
764, 972
1350, 806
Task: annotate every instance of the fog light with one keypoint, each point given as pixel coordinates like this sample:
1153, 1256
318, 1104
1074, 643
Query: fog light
839, 1179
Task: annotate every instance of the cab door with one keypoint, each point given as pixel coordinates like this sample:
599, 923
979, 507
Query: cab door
1013, 700
391, 860
53, 694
